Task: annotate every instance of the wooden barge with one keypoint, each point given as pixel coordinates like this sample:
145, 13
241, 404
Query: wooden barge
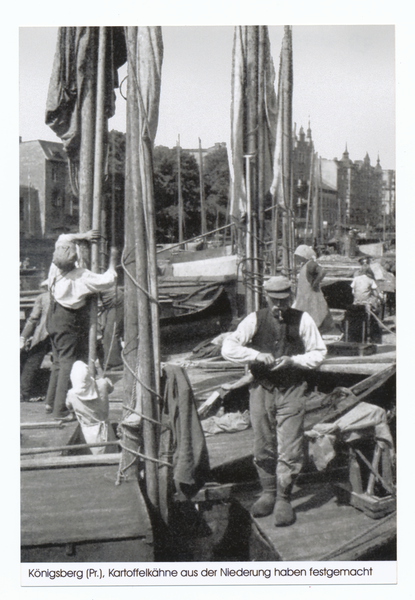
73, 511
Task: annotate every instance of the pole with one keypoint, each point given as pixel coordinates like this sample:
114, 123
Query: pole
339, 210
259, 222
320, 215
261, 135
29, 209
248, 290
292, 224
251, 145
274, 236
179, 192
87, 146
147, 164
285, 88
112, 221
100, 125
309, 197
315, 205
202, 191
137, 236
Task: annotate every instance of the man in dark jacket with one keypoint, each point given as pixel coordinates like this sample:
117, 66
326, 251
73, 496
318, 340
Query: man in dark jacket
279, 344
34, 345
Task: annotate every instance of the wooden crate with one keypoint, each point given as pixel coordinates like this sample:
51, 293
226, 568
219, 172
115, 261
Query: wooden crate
372, 506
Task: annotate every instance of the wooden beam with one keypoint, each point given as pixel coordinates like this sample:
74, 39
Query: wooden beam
49, 462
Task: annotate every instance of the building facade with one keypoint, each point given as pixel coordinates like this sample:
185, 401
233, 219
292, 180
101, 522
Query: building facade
388, 199
47, 204
360, 192
315, 195
328, 193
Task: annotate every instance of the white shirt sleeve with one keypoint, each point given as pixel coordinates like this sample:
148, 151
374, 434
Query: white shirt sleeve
234, 347
99, 282
64, 238
315, 348
71, 289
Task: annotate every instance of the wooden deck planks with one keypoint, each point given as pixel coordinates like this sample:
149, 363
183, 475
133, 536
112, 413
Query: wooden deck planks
70, 505
325, 529
43, 437
225, 448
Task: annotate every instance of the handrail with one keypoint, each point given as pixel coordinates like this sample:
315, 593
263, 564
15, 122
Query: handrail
197, 237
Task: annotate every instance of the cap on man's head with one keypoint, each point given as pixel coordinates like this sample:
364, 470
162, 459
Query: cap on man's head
65, 256
278, 287
305, 252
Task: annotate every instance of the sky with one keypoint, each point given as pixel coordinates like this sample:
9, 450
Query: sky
344, 85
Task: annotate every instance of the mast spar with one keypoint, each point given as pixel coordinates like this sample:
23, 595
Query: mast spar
101, 125
141, 351
281, 187
202, 192
179, 191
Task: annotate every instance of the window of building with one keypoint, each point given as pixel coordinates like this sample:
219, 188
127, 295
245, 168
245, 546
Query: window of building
57, 198
54, 174
73, 206
22, 208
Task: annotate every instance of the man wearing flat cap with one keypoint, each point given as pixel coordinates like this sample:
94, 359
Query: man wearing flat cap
67, 323
280, 344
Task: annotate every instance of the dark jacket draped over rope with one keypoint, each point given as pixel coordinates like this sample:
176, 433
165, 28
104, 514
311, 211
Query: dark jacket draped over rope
187, 441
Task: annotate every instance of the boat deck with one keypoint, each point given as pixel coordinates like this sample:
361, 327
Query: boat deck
327, 529
71, 509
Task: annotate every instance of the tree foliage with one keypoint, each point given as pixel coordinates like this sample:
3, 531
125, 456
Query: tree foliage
165, 167
166, 193
216, 179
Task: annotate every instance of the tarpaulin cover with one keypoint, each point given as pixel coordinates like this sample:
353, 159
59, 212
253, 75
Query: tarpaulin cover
362, 419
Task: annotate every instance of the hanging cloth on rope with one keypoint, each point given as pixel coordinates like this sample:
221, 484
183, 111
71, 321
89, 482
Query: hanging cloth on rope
73, 72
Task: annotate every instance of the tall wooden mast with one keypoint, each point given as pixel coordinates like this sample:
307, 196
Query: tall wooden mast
203, 227
141, 353
179, 191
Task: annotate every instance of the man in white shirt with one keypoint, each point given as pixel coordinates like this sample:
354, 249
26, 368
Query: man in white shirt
365, 289
68, 318
279, 344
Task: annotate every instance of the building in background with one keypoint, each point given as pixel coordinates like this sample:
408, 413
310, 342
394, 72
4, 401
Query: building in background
327, 195
47, 205
360, 192
339, 194
388, 200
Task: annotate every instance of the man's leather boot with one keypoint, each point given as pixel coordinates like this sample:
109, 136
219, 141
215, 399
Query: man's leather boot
265, 503
284, 514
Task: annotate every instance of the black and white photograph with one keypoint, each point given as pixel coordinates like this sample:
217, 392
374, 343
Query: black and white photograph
207, 284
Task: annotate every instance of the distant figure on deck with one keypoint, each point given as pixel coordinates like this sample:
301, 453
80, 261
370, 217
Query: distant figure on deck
34, 345
280, 344
309, 296
361, 318
88, 399
349, 243
365, 289
68, 318
364, 261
